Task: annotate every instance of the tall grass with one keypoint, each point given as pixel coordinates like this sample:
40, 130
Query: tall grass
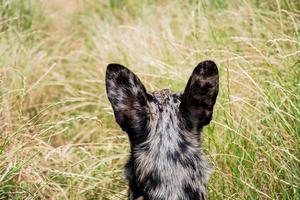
59, 139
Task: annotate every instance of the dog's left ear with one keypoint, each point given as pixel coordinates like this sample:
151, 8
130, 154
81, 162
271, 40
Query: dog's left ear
200, 95
128, 98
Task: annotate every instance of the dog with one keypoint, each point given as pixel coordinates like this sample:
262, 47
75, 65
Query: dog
164, 129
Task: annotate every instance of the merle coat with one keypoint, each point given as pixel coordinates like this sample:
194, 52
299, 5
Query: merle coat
164, 130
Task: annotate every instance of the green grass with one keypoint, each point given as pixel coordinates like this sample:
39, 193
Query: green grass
58, 137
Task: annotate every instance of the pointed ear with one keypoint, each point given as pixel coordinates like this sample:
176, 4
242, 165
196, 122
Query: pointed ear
200, 95
127, 96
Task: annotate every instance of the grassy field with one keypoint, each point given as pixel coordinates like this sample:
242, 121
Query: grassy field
58, 137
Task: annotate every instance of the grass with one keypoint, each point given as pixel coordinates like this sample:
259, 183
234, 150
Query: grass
58, 137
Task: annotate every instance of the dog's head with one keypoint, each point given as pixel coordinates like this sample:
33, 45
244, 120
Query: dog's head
134, 108
164, 130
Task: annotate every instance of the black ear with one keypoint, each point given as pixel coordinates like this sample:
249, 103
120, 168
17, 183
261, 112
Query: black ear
200, 95
127, 96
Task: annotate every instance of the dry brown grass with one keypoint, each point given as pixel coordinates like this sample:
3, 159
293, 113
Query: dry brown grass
59, 139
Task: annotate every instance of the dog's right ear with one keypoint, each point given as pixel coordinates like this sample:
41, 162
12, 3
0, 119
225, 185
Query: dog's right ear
200, 95
128, 98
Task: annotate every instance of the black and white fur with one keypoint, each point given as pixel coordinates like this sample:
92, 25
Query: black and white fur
164, 129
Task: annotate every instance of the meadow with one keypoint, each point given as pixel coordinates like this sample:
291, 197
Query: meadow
58, 136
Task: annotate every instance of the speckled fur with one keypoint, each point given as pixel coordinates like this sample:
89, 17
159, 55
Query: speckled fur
164, 129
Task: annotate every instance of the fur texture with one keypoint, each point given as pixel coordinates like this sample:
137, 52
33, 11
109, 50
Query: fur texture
164, 130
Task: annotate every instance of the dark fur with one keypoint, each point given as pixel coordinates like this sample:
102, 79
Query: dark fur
164, 129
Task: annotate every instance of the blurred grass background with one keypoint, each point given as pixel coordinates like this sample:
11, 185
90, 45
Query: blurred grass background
58, 137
